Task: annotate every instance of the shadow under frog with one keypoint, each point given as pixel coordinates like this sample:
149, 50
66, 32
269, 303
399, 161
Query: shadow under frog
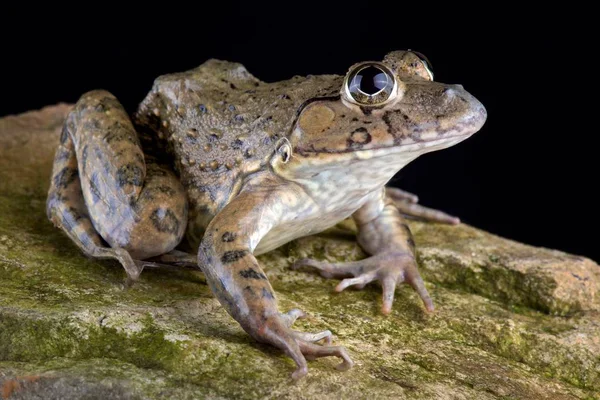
237, 167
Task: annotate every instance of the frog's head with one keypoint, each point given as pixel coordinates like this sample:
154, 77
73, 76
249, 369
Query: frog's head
387, 114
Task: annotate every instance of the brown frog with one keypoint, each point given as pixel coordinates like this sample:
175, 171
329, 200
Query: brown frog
238, 167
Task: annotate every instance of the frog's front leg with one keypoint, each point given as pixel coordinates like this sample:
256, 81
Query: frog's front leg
236, 279
382, 233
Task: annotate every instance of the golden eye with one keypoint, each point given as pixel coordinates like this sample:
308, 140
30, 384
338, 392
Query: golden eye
425, 62
370, 84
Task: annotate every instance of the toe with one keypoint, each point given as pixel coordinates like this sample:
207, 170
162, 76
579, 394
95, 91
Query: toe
389, 289
359, 280
417, 283
300, 372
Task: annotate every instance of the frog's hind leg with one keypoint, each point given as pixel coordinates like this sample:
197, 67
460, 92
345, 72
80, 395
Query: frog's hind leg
407, 204
103, 191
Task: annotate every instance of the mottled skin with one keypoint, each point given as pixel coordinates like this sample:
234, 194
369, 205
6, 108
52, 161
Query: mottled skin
240, 167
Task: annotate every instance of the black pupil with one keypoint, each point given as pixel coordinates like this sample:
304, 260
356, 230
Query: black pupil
371, 80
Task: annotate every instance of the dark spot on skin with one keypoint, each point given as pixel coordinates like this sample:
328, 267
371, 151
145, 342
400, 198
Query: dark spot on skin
85, 239
354, 119
155, 170
75, 214
285, 96
579, 278
231, 107
65, 177
164, 220
84, 157
232, 256
249, 290
228, 237
236, 144
252, 274
94, 187
415, 135
64, 135
366, 110
411, 243
232, 86
359, 137
202, 108
62, 155
100, 107
130, 174
119, 135
91, 124
239, 118
169, 191
71, 217
266, 294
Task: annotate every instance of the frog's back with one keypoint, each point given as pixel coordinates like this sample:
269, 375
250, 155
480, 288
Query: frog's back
219, 123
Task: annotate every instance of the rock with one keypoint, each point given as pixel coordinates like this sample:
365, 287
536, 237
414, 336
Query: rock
512, 321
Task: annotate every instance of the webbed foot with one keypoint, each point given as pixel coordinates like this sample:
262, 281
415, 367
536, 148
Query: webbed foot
389, 268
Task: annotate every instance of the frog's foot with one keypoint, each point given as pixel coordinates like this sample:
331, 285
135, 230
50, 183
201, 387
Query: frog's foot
301, 346
291, 316
133, 268
407, 204
389, 268
175, 258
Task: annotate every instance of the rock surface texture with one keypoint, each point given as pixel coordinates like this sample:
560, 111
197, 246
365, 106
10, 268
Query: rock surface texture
512, 321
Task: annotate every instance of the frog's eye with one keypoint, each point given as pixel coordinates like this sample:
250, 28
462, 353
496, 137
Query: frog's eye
425, 61
370, 84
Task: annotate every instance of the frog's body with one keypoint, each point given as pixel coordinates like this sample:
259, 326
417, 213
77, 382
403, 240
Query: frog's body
222, 125
257, 165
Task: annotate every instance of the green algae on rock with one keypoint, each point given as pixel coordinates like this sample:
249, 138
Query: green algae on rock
512, 321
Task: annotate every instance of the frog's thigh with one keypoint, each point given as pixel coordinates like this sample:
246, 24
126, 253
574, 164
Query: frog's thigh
135, 206
67, 210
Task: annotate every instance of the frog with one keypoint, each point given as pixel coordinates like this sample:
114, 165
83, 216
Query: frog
216, 167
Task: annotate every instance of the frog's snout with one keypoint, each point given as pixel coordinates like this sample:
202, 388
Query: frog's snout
474, 113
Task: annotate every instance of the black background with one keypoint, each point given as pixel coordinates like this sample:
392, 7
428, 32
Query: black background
530, 174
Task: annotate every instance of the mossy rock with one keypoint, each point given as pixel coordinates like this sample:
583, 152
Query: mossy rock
512, 321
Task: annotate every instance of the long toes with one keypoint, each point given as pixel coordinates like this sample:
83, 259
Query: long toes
428, 214
325, 269
389, 288
401, 195
361, 280
307, 262
315, 351
132, 269
291, 316
315, 337
337, 270
415, 280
